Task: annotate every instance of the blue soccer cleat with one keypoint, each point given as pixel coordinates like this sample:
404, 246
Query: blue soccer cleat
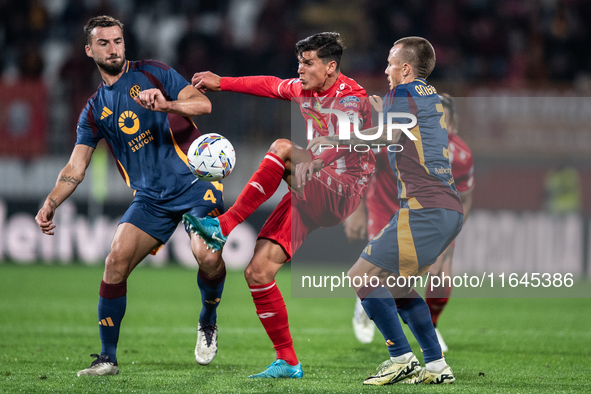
208, 229
281, 369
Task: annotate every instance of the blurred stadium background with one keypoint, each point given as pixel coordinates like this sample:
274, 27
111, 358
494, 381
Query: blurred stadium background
520, 68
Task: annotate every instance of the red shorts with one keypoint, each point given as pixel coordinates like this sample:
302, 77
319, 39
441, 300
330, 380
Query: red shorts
328, 199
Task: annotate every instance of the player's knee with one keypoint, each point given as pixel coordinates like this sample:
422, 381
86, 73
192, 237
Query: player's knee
256, 275
208, 261
116, 269
353, 272
281, 148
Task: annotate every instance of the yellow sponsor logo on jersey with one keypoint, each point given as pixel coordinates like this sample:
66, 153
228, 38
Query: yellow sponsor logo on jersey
141, 140
106, 112
129, 122
134, 91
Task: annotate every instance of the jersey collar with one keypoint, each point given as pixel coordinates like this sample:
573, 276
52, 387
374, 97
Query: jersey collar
330, 92
126, 70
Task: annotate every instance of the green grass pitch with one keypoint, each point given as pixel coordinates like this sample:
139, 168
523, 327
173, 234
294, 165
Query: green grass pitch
48, 328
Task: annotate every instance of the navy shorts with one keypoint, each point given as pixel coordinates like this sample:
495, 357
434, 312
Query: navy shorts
413, 239
160, 220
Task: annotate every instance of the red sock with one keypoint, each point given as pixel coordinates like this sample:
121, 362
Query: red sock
259, 189
436, 300
273, 314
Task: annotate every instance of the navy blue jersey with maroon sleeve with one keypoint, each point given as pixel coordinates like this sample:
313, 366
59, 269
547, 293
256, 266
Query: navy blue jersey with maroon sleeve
149, 147
422, 167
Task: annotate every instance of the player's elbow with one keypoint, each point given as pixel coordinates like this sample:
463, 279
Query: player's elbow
206, 107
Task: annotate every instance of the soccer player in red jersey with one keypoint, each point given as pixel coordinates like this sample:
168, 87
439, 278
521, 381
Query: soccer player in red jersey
374, 212
341, 179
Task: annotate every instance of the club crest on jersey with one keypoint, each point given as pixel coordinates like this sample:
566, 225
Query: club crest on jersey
317, 106
134, 91
129, 122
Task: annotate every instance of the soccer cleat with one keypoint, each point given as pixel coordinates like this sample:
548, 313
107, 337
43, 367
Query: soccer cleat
390, 372
101, 366
363, 327
207, 344
207, 228
445, 376
281, 369
441, 341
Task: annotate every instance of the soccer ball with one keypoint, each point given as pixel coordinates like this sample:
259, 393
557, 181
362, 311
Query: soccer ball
211, 157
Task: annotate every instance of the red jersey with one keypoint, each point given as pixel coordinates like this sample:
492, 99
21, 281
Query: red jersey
344, 95
382, 195
462, 165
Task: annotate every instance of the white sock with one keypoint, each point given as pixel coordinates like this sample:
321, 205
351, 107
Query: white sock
402, 359
436, 366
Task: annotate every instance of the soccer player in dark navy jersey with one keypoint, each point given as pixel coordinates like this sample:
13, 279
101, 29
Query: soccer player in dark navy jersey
429, 218
379, 206
141, 109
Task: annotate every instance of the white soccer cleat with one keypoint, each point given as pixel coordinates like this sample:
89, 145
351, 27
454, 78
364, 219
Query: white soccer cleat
441, 341
390, 372
445, 376
363, 327
101, 366
207, 344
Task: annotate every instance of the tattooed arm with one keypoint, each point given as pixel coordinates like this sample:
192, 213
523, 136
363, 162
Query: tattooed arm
69, 178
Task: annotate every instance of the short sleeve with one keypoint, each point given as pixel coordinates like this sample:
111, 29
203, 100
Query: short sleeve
173, 83
87, 132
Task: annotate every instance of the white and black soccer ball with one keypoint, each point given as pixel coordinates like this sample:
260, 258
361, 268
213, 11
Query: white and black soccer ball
211, 157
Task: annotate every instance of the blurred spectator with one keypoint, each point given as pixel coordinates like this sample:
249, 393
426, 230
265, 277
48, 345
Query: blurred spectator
563, 190
512, 43
30, 62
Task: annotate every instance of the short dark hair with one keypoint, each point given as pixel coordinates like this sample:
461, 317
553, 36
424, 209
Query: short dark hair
100, 21
419, 53
328, 47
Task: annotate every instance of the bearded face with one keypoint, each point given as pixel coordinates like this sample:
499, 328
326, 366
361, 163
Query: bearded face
107, 48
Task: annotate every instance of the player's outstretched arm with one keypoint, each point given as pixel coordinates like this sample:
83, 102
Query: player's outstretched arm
190, 102
69, 178
206, 81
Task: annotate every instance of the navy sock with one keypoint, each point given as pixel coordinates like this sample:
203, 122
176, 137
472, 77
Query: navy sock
415, 313
111, 309
211, 294
381, 308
